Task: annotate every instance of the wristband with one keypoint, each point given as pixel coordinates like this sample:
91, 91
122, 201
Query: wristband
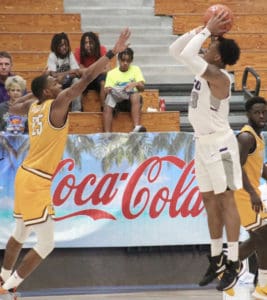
205, 32
110, 54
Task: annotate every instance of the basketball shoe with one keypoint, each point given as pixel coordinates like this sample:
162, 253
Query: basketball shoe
5, 295
8, 294
231, 274
216, 267
260, 293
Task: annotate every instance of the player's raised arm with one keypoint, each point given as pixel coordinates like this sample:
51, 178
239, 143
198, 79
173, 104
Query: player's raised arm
22, 104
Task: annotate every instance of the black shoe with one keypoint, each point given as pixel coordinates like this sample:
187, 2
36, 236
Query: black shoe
216, 267
255, 281
231, 274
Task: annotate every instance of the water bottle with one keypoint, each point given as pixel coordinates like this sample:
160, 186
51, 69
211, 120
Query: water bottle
162, 104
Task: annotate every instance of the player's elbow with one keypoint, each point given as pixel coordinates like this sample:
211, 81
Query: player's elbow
185, 56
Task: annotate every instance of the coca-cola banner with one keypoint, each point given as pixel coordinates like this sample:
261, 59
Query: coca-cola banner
115, 190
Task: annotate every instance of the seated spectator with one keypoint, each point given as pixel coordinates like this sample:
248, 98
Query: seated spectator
5, 72
62, 64
10, 123
89, 52
123, 86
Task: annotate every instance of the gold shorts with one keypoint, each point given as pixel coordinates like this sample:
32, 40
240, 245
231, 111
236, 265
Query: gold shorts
33, 200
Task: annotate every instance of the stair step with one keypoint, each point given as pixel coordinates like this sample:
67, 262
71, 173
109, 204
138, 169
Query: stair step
108, 3
141, 40
115, 29
89, 122
103, 12
236, 122
125, 21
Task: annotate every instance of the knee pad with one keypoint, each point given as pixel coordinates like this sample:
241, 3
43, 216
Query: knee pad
45, 238
21, 232
44, 247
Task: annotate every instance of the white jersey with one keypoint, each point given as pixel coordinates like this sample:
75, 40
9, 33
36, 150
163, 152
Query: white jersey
206, 113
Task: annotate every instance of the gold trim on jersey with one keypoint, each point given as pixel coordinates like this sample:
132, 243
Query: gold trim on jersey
47, 212
37, 172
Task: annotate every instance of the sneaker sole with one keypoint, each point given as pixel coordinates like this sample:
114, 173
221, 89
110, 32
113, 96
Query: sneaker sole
217, 275
230, 286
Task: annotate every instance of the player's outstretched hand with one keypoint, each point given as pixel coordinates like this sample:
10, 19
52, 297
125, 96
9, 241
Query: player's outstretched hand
122, 42
216, 24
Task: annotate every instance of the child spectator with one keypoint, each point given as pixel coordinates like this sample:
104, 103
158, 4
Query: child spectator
123, 86
89, 52
62, 64
16, 88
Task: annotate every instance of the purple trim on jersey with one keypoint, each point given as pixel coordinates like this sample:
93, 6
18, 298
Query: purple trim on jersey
213, 108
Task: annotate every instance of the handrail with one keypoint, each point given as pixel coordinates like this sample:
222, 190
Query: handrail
248, 93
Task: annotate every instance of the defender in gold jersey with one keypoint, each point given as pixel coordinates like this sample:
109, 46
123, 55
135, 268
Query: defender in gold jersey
48, 129
248, 199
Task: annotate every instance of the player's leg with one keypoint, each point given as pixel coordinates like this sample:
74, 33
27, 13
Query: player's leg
13, 249
217, 259
234, 266
261, 251
247, 247
33, 258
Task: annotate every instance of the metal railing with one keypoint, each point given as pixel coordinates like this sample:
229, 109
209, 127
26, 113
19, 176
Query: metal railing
248, 93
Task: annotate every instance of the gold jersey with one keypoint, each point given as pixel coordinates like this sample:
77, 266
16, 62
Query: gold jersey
47, 143
253, 168
33, 200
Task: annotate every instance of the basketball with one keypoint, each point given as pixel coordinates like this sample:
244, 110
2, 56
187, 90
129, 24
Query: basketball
216, 9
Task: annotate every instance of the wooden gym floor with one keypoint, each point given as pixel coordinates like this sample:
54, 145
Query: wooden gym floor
241, 293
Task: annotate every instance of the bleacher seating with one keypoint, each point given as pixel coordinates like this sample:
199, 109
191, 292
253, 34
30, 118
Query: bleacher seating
28, 36
33, 41
91, 101
91, 122
170, 7
257, 22
249, 30
31, 6
40, 22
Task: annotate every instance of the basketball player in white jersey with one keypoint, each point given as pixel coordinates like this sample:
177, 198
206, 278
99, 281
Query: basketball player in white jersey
217, 164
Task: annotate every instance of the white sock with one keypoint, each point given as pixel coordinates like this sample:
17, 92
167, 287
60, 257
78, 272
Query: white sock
5, 274
262, 278
216, 246
232, 251
13, 281
137, 127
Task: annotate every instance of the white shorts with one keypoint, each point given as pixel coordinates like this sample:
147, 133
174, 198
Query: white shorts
116, 95
217, 162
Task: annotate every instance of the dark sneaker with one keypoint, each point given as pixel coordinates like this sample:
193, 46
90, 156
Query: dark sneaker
216, 267
255, 281
231, 274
